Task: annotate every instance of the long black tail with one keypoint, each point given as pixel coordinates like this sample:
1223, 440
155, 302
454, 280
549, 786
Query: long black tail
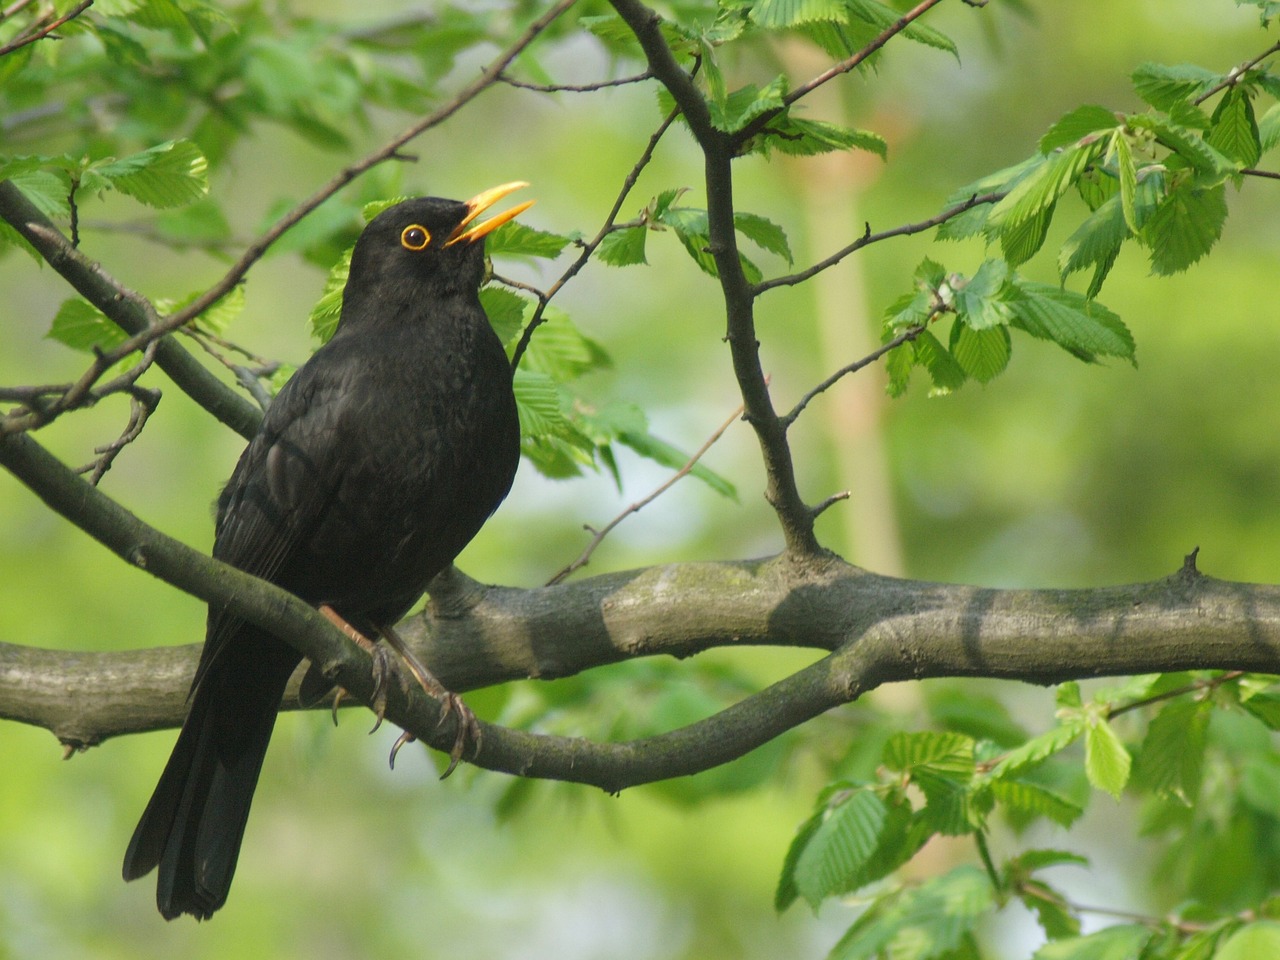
194, 823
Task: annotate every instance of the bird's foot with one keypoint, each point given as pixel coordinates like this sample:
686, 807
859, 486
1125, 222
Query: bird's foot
468, 726
381, 666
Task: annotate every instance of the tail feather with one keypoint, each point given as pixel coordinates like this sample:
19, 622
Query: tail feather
194, 823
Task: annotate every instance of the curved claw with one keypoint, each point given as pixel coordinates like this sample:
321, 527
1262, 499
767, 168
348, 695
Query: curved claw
405, 737
468, 729
381, 670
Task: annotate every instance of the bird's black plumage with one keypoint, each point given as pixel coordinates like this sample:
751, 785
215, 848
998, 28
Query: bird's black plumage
374, 466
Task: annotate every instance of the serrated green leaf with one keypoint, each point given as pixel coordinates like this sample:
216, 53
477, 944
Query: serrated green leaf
218, 317
780, 14
1163, 86
166, 175
933, 920
1049, 906
1123, 942
48, 190
950, 753
660, 451
1269, 128
506, 311
947, 375
1084, 327
559, 349
1076, 125
805, 138
1128, 180
882, 17
1264, 706
1106, 761
982, 354
763, 233
80, 325
787, 892
538, 404
840, 846
515, 239
980, 300
1038, 749
1235, 128
1096, 241
1211, 165
1171, 760
1032, 800
328, 309
1038, 859
1184, 227
743, 105
622, 248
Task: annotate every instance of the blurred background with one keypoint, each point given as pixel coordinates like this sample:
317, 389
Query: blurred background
1056, 474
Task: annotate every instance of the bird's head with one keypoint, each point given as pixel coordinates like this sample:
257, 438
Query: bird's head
421, 248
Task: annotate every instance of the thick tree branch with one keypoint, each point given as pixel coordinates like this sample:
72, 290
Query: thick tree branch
878, 629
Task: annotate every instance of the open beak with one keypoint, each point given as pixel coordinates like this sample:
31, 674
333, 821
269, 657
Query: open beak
482, 202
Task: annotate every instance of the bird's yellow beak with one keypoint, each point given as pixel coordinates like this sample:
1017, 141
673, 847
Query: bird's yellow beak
482, 202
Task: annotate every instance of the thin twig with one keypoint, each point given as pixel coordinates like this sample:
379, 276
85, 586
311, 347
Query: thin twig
590, 246
869, 238
571, 87
1209, 683
639, 505
1269, 174
1235, 73
906, 335
39, 33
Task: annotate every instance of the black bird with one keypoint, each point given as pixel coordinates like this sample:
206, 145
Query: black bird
374, 466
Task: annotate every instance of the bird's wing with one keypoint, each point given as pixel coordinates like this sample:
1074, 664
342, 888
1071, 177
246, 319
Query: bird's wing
283, 484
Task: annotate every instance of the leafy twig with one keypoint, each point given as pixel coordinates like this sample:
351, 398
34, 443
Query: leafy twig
1236, 72
585, 557
39, 32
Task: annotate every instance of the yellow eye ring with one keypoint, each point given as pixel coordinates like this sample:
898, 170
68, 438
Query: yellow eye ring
415, 237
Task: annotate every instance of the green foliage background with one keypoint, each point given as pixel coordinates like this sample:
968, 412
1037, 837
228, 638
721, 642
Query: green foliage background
1056, 474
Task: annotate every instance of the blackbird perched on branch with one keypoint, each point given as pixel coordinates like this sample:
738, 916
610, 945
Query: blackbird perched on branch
374, 466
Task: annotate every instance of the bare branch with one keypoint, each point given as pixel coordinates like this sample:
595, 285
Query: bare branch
905, 336
572, 88
1235, 73
868, 238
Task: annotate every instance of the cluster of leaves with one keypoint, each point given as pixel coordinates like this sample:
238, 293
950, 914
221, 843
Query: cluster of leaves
1204, 766
1158, 178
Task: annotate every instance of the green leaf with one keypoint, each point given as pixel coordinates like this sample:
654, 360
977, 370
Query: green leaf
1106, 761
506, 311
1037, 193
622, 248
788, 892
1184, 227
1084, 327
1124, 942
779, 14
947, 375
1269, 128
944, 752
328, 309
763, 233
980, 301
980, 716
515, 239
805, 138
660, 451
559, 349
840, 846
1031, 800
982, 354
1076, 125
1096, 242
1128, 180
1211, 165
743, 105
1038, 749
538, 404
48, 190
1163, 86
1171, 760
1252, 942
934, 920
1235, 129
82, 326
166, 175
883, 17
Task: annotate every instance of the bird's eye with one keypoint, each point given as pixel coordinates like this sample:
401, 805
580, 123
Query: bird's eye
414, 237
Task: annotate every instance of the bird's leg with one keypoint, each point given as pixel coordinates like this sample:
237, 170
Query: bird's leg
468, 728
381, 665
